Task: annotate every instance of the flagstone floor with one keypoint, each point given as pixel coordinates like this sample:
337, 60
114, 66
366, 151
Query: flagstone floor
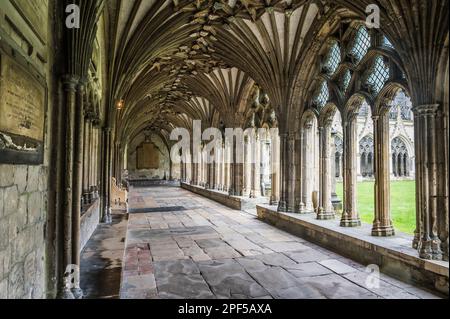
183, 246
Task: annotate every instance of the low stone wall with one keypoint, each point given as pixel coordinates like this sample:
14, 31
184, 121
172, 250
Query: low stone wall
220, 197
89, 222
393, 255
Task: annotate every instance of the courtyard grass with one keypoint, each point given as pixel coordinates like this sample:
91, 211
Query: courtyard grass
403, 203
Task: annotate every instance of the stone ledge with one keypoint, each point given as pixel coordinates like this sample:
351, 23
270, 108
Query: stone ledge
233, 202
394, 255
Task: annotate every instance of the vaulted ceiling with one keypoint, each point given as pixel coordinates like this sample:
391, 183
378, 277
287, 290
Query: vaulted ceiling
174, 61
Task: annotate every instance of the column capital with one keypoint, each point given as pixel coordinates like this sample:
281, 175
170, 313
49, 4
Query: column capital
70, 82
426, 109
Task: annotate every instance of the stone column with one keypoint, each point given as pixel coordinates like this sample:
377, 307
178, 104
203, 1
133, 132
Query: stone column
77, 184
247, 167
326, 210
226, 168
308, 167
426, 237
256, 167
70, 84
275, 160
282, 206
107, 174
382, 225
290, 190
350, 216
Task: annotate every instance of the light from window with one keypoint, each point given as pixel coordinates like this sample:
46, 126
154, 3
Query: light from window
379, 75
333, 59
322, 95
361, 44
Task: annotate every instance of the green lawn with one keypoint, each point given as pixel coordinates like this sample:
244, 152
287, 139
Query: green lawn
403, 207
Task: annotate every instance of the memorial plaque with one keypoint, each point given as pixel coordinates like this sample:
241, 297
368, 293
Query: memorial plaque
35, 13
22, 114
147, 156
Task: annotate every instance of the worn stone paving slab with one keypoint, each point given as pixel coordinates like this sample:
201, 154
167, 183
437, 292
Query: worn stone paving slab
206, 250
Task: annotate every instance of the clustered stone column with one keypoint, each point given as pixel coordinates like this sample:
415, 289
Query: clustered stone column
350, 216
382, 225
256, 167
307, 167
427, 239
325, 210
275, 160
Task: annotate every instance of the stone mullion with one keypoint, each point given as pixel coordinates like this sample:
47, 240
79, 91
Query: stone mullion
382, 225
107, 175
350, 216
325, 207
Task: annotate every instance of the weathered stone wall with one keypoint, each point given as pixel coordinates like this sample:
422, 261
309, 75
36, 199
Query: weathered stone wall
88, 223
23, 204
25, 25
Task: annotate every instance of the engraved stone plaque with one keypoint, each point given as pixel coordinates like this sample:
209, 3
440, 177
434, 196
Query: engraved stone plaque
22, 114
147, 156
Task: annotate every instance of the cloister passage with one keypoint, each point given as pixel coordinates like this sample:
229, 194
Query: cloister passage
115, 121
181, 245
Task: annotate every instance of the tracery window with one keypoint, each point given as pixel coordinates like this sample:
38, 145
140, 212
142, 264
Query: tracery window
361, 44
322, 95
345, 81
366, 148
333, 59
400, 158
364, 110
379, 74
387, 43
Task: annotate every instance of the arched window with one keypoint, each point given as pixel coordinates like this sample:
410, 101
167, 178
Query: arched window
361, 44
366, 154
322, 95
364, 110
344, 81
387, 43
400, 158
333, 59
379, 74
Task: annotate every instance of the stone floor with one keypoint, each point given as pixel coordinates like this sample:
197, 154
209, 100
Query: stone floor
180, 245
101, 259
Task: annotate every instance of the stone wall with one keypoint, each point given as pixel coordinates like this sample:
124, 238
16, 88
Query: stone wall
23, 206
25, 27
89, 222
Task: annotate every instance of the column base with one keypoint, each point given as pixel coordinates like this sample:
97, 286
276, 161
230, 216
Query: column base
323, 215
383, 231
282, 206
107, 218
444, 249
273, 202
430, 249
350, 222
416, 240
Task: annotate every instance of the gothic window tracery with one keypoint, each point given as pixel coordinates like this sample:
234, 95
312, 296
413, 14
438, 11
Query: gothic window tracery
361, 44
333, 59
400, 158
366, 148
379, 74
322, 95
